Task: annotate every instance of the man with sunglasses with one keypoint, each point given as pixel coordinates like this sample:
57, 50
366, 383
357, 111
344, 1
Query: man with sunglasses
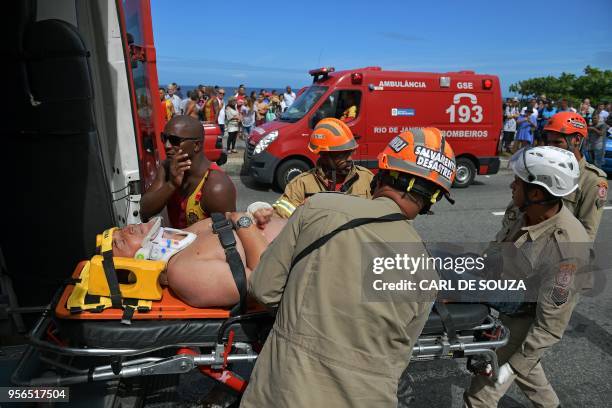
333, 140
547, 247
568, 130
187, 183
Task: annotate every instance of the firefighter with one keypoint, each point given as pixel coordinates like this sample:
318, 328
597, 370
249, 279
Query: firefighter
568, 130
333, 140
329, 347
547, 245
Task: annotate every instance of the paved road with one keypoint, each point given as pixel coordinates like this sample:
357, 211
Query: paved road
579, 367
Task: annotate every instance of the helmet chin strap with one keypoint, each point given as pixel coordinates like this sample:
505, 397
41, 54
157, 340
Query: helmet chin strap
527, 202
568, 140
410, 185
332, 172
333, 179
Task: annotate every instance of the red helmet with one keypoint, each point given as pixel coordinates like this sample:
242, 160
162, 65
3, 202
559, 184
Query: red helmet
567, 123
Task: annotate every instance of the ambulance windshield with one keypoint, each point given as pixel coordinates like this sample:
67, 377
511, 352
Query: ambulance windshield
303, 104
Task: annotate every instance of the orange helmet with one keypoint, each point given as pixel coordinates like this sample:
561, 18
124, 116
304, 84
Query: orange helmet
567, 123
331, 135
423, 153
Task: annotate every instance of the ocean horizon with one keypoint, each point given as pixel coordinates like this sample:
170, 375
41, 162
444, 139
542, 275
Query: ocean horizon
231, 90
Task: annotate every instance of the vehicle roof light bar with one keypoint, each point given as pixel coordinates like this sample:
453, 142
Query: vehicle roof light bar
320, 74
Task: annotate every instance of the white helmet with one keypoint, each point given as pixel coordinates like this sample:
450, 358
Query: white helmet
553, 168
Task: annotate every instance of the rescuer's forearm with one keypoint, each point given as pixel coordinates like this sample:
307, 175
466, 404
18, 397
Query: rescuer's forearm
254, 244
153, 202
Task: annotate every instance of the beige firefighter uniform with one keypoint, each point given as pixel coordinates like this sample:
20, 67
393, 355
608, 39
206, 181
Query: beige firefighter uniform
329, 347
586, 203
313, 181
555, 252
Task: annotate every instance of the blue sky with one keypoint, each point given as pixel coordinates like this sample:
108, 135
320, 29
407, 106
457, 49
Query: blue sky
275, 43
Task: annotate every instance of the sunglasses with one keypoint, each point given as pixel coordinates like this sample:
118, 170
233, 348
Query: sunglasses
175, 140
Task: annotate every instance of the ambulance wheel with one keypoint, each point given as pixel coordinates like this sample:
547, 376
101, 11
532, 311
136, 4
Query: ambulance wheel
466, 172
288, 170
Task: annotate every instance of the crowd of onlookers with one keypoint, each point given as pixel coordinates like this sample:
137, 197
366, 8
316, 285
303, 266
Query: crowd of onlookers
236, 115
524, 125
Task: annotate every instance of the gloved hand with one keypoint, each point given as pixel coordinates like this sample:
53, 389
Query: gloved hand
505, 372
262, 213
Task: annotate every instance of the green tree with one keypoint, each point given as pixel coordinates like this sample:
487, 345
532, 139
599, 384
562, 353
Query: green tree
595, 84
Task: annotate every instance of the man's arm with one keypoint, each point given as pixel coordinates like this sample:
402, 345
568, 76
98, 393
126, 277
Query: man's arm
157, 196
217, 106
253, 241
592, 206
557, 297
595, 129
218, 193
292, 198
169, 108
268, 280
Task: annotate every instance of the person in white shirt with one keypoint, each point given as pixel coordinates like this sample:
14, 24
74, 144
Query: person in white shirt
231, 115
586, 106
603, 113
510, 114
247, 114
288, 96
183, 105
176, 100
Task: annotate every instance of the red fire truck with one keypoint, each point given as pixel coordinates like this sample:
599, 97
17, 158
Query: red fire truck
466, 106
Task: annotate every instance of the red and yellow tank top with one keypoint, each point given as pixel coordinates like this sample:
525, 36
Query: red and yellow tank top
185, 211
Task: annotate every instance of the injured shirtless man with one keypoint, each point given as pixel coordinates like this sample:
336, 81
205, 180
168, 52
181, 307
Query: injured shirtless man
197, 270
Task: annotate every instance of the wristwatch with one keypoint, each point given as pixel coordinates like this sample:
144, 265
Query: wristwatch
244, 222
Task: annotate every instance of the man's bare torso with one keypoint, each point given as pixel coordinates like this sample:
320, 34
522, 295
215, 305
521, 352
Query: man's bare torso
207, 246
200, 274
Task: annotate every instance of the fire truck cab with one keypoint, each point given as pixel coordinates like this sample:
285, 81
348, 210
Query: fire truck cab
377, 105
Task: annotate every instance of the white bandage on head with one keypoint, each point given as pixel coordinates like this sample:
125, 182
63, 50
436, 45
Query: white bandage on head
257, 205
161, 243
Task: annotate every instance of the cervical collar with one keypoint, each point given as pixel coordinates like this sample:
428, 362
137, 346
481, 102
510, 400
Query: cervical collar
161, 243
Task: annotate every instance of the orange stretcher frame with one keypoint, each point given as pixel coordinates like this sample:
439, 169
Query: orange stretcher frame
169, 307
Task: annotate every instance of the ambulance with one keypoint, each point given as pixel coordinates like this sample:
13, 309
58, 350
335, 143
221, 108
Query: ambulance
82, 142
465, 106
86, 116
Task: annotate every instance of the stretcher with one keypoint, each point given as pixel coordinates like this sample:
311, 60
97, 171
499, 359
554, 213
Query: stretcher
171, 337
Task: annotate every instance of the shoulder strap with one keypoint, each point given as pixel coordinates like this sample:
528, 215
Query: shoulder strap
349, 225
447, 321
106, 250
349, 183
111, 278
225, 230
